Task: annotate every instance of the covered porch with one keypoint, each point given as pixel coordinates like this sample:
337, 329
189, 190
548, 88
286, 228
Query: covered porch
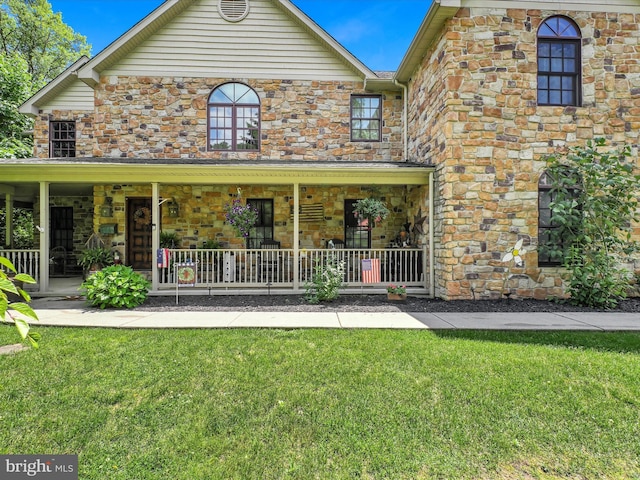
309, 199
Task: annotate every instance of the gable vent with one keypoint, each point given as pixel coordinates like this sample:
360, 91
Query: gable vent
233, 10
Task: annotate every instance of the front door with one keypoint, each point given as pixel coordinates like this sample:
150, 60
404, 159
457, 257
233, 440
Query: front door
139, 224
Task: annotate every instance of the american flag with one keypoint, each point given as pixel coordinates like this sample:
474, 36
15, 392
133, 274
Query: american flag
163, 257
371, 270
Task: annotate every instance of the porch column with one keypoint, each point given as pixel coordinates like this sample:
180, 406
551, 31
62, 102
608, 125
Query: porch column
296, 237
155, 233
44, 237
8, 202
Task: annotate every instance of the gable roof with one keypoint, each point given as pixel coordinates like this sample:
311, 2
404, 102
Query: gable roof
170, 9
53, 88
442, 10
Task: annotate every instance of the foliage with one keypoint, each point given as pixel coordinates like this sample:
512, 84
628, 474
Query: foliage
371, 209
169, 240
23, 231
99, 256
397, 289
241, 217
326, 281
15, 88
10, 287
117, 286
32, 31
595, 202
328, 403
211, 244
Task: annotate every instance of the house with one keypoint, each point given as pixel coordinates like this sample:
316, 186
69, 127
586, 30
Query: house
172, 121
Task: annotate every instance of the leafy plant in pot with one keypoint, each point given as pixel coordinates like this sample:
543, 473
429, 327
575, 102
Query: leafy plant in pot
94, 259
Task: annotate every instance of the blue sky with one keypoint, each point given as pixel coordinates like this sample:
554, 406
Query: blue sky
378, 32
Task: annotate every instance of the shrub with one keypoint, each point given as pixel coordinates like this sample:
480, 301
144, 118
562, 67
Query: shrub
326, 282
13, 297
595, 202
117, 286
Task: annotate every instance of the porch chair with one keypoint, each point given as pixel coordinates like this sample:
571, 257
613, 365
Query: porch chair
336, 242
58, 261
269, 262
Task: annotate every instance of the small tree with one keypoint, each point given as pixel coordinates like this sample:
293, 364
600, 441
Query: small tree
595, 190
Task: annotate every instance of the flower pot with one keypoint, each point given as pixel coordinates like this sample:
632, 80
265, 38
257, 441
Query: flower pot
396, 297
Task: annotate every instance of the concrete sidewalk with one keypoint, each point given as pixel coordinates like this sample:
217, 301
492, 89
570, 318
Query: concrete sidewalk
76, 314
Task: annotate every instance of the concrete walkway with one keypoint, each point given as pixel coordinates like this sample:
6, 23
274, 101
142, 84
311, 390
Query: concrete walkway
76, 314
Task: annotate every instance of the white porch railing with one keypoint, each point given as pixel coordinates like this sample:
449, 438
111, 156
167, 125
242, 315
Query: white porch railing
25, 261
240, 268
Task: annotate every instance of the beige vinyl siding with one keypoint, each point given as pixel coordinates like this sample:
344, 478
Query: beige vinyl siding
78, 96
266, 44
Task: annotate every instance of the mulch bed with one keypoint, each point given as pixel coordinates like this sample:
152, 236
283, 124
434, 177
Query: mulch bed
362, 303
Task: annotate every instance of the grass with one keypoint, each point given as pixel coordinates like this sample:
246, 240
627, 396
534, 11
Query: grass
303, 404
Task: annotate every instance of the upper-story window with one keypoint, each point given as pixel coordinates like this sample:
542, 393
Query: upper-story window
234, 118
366, 118
559, 62
62, 139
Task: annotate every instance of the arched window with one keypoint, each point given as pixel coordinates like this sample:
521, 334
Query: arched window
234, 118
559, 62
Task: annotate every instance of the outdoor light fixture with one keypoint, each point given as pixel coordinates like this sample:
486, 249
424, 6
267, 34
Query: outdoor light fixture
174, 209
107, 208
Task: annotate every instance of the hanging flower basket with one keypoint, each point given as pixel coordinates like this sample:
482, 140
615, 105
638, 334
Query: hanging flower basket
241, 217
370, 209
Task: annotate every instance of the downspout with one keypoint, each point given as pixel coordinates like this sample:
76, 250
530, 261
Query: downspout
405, 116
432, 254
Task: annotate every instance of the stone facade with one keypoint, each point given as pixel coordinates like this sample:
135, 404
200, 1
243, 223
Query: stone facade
473, 114
147, 117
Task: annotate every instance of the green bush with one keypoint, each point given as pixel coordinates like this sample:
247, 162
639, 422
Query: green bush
595, 191
117, 286
326, 282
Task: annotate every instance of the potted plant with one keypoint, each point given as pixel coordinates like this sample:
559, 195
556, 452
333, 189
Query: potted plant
371, 209
169, 240
396, 292
94, 259
242, 217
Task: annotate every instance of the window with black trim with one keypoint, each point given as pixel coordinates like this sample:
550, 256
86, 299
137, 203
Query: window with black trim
234, 118
553, 240
559, 62
62, 139
263, 229
366, 118
357, 232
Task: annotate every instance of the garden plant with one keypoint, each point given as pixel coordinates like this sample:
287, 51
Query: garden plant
596, 190
117, 286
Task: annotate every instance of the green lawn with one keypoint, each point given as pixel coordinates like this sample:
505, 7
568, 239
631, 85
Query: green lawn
327, 404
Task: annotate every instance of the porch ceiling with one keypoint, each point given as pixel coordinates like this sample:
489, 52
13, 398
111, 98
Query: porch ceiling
213, 172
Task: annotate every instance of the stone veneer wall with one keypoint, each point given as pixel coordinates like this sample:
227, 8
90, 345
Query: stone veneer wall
147, 117
474, 114
201, 214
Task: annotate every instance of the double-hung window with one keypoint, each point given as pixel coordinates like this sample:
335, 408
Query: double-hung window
62, 139
559, 62
554, 240
366, 118
234, 118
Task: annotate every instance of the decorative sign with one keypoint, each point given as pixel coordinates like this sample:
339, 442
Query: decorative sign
186, 274
310, 213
